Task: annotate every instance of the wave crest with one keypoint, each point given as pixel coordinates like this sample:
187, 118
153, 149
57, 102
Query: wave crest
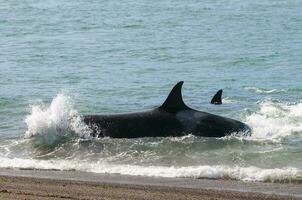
205, 171
275, 120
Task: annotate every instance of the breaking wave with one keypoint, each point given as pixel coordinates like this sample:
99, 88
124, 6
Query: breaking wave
275, 120
206, 171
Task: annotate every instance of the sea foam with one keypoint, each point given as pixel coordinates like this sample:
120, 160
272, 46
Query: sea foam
206, 171
274, 121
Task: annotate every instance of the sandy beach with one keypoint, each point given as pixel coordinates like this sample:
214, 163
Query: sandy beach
34, 184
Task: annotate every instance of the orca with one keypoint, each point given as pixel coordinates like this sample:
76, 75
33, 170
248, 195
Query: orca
217, 98
173, 118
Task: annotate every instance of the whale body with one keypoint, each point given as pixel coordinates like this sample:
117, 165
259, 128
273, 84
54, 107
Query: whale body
172, 118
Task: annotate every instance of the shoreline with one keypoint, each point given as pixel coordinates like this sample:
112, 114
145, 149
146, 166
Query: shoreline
43, 184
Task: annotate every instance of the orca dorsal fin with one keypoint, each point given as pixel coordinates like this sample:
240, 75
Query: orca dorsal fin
174, 101
217, 98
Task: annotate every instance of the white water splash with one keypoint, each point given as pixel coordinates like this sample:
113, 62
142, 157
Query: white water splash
49, 124
205, 171
276, 120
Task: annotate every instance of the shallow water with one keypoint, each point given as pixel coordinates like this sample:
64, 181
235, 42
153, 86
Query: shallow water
61, 59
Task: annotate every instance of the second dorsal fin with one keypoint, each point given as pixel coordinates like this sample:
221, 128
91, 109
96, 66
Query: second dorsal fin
217, 98
174, 101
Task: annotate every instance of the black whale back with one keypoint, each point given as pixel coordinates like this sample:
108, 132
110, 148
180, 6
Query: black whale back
154, 123
172, 118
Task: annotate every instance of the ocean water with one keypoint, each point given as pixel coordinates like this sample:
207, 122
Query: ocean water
62, 59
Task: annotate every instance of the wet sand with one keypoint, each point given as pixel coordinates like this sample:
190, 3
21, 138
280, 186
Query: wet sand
36, 184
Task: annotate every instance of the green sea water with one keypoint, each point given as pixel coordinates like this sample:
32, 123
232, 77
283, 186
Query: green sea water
62, 59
